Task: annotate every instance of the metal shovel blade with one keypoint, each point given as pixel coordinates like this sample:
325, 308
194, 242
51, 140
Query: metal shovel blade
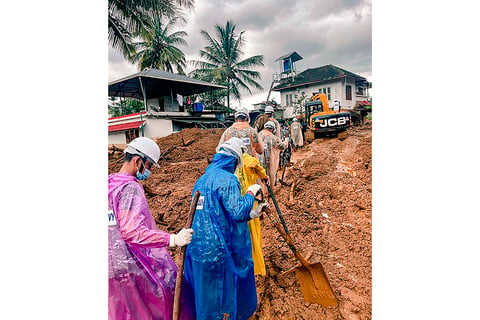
312, 278
315, 286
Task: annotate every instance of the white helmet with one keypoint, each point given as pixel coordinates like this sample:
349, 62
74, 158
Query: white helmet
236, 146
270, 125
144, 147
269, 109
294, 119
243, 113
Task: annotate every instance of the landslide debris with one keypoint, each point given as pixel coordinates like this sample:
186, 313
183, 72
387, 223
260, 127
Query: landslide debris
328, 215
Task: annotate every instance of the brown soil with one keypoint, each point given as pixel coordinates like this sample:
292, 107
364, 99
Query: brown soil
329, 219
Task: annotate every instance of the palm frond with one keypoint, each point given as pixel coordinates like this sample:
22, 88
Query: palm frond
251, 62
222, 61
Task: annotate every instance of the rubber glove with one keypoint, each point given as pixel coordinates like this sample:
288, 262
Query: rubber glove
182, 238
255, 213
254, 189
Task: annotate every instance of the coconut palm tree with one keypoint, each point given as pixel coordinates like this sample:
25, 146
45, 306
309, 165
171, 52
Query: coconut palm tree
224, 65
158, 48
126, 17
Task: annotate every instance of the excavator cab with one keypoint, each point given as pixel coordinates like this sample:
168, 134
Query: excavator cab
322, 120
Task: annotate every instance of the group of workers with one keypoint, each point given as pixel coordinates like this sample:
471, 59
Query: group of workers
224, 251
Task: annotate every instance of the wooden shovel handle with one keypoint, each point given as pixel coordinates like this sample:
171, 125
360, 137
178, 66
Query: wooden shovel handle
287, 238
178, 284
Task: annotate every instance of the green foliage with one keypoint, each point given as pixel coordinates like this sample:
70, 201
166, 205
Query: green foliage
128, 17
124, 106
223, 63
158, 46
299, 102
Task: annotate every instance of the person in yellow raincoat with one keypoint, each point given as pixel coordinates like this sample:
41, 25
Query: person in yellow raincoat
247, 175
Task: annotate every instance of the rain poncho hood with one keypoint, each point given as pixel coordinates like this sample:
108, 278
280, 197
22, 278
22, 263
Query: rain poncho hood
218, 261
141, 273
249, 136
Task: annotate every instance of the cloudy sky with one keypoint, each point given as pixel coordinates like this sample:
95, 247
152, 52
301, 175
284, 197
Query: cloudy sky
323, 32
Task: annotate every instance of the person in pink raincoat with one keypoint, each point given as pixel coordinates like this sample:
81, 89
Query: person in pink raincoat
141, 272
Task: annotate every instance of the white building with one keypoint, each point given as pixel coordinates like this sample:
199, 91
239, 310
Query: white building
123, 129
163, 96
337, 83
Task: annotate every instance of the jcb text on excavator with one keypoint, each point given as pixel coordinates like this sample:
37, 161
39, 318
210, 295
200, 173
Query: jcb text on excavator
320, 119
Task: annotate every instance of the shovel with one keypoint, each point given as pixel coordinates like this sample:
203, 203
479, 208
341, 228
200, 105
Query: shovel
178, 284
313, 280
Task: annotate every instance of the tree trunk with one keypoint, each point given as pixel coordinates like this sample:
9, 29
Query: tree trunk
228, 93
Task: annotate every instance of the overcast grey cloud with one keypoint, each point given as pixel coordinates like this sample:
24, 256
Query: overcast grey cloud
321, 31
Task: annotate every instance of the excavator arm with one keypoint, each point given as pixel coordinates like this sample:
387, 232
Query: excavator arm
322, 97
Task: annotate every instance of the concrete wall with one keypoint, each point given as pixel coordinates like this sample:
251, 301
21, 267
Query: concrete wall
116, 137
337, 91
157, 128
169, 106
153, 102
288, 113
154, 128
165, 104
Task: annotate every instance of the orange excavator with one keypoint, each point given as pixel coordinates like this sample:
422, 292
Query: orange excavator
321, 120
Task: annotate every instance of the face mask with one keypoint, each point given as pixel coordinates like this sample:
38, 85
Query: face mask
142, 176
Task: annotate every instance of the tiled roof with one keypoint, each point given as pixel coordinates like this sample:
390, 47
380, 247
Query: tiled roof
315, 75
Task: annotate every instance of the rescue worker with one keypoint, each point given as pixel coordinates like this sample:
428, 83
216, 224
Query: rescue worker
241, 129
141, 273
267, 116
218, 262
286, 154
296, 133
336, 105
272, 146
250, 171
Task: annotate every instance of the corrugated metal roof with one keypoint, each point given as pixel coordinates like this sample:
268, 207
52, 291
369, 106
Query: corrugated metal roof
158, 83
294, 55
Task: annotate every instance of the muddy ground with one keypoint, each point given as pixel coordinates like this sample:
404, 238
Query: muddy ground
328, 215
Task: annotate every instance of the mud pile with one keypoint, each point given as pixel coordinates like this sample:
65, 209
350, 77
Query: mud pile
328, 214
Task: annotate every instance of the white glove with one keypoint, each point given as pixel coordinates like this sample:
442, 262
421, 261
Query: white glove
182, 238
254, 189
286, 140
255, 213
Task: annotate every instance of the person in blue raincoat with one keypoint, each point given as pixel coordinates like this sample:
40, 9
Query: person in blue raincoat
218, 262
141, 272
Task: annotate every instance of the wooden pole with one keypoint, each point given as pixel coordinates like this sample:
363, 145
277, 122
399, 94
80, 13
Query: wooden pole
144, 93
178, 284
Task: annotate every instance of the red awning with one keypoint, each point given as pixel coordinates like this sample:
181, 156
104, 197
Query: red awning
125, 126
